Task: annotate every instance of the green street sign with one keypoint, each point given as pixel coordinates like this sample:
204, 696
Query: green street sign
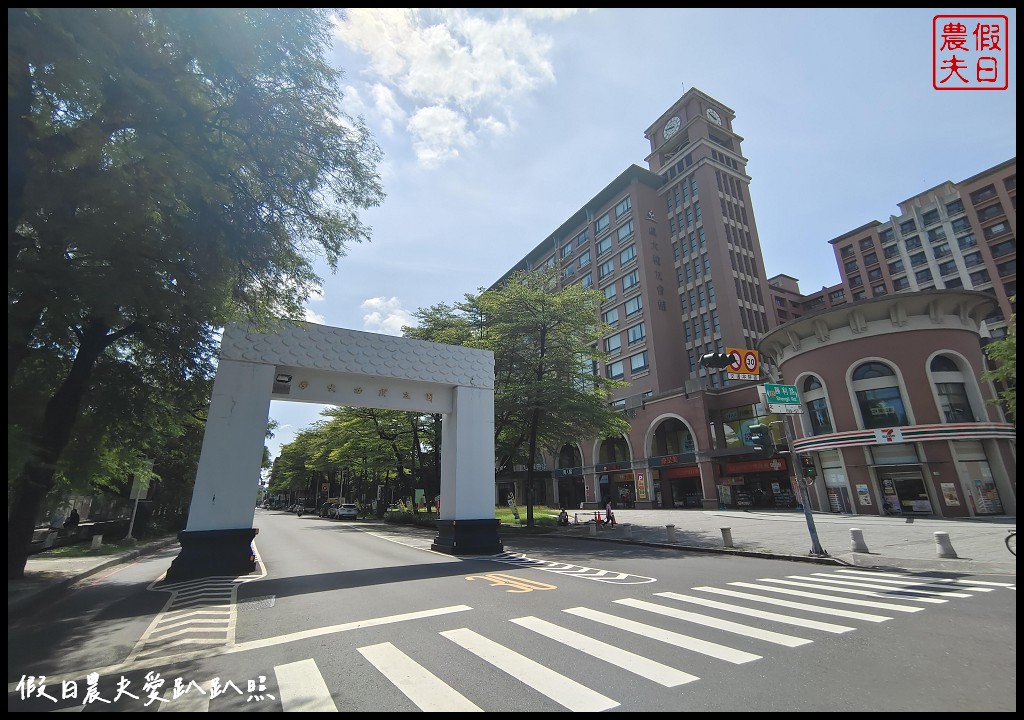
781, 394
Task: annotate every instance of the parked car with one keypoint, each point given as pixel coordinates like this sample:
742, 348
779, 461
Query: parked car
347, 511
327, 509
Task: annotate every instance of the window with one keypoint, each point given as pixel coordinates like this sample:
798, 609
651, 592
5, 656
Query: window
866, 243
626, 231
609, 292
967, 241
638, 362
996, 230
636, 333
951, 391
887, 235
908, 227
615, 370
900, 283
627, 255
878, 396
947, 268
878, 291
1004, 247
850, 266
817, 408
613, 343
567, 249
604, 246
631, 280
587, 280
892, 251
634, 305
992, 211
611, 316
846, 252
930, 218
918, 259
582, 238
985, 193
602, 224
936, 235
1005, 269
623, 207
871, 259
585, 258
569, 271
896, 267
913, 242
955, 208
923, 276
941, 251
980, 278
606, 269
961, 225
874, 274
972, 259
856, 281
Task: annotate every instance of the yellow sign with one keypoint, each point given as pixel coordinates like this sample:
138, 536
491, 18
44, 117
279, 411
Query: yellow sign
516, 585
746, 364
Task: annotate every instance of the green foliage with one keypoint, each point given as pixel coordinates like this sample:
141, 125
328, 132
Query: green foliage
1003, 354
170, 170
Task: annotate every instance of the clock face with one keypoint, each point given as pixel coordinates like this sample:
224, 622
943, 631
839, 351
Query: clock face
714, 117
672, 127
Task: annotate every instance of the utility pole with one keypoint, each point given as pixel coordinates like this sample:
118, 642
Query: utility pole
805, 495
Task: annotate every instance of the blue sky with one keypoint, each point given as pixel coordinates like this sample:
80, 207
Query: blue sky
497, 125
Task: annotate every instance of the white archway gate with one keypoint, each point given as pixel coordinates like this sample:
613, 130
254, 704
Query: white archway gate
304, 362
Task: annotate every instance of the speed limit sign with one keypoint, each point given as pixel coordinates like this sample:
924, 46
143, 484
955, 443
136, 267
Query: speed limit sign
746, 364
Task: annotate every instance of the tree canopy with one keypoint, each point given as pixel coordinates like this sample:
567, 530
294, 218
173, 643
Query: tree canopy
170, 170
545, 345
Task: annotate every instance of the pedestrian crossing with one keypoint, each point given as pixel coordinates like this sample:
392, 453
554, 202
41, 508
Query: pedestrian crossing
781, 612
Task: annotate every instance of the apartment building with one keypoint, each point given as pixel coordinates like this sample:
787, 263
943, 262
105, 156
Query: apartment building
675, 251
955, 235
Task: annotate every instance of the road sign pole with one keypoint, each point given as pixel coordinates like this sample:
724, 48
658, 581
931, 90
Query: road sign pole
794, 459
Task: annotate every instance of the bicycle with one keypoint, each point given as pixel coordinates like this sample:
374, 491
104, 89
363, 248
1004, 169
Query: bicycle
1011, 541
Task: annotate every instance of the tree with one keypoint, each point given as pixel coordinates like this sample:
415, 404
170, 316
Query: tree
545, 344
1003, 353
169, 170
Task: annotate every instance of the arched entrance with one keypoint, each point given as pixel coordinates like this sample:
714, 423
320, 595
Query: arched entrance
334, 366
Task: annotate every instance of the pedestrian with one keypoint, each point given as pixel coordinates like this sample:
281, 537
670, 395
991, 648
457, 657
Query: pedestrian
609, 516
71, 524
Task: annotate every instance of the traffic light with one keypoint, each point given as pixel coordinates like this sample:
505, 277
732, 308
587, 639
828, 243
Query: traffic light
810, 472
716, 360
760, 437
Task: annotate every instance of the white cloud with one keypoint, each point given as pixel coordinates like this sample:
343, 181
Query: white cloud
438, 134
385, 315
472, 65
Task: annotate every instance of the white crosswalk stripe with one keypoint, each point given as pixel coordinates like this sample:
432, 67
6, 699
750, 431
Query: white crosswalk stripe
301, 686
426, 690
566, 692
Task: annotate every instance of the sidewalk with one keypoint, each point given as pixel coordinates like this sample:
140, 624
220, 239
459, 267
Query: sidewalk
891, 542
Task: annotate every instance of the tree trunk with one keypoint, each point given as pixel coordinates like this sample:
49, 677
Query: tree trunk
37, 478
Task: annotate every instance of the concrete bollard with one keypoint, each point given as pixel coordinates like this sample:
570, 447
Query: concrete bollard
727, 537
857, 543
97, 540
671, 530
593, 529
628, 531
943, 547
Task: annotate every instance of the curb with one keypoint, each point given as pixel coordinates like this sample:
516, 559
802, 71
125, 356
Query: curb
36, 599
